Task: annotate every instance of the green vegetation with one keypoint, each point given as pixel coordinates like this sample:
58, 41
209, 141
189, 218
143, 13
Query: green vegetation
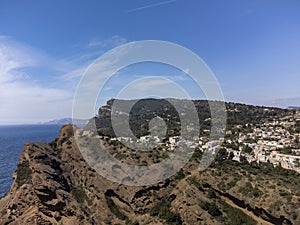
297, 126
64, 139
179, 175
235, 216
23, 173
263, 172
254, 182
195, 183
211, 208
250, 191
197, 155
115, 209
80, 195
257, 181
163, 211
146, 109
211, 193
232, 183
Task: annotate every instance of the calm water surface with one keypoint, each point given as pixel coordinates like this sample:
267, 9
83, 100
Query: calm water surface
12, 139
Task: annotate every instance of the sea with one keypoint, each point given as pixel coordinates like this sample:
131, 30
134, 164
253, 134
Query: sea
12, 140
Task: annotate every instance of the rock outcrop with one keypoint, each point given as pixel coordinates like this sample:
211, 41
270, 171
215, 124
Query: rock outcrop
54, 185
42, 191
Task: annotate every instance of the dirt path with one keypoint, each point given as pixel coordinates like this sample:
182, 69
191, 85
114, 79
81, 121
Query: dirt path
252, 215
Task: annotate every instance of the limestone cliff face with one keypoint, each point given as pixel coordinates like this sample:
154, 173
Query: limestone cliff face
41, 192
54, 185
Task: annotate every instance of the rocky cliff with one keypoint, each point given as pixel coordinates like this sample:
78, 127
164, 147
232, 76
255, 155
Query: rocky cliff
53, 184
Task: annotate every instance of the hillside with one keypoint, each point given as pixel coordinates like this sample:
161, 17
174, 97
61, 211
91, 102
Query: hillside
66, 121
53, 184
146, 109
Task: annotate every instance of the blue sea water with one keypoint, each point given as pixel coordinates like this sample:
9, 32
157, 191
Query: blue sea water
12, 140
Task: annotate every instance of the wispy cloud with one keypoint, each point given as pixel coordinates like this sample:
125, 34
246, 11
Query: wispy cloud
152, 86
12, 58
284, 102
25, 98
150, 6
150, 83
75, 66
109, 42
22, 99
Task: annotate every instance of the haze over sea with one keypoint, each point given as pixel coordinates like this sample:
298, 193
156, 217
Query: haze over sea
12, 140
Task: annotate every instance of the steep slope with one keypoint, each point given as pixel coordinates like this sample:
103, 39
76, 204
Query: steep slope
54, 185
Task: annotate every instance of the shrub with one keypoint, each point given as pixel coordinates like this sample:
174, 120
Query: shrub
231, 184
295, 216
162, 210
115, 209
180, 175
211, 193
80, 195
236, 216
211, 208
23, 173
195, 183
214, 210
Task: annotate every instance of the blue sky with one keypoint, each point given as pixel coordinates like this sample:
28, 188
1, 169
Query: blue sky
253, 48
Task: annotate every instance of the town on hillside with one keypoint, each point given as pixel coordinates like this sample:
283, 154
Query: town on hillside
274, 140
